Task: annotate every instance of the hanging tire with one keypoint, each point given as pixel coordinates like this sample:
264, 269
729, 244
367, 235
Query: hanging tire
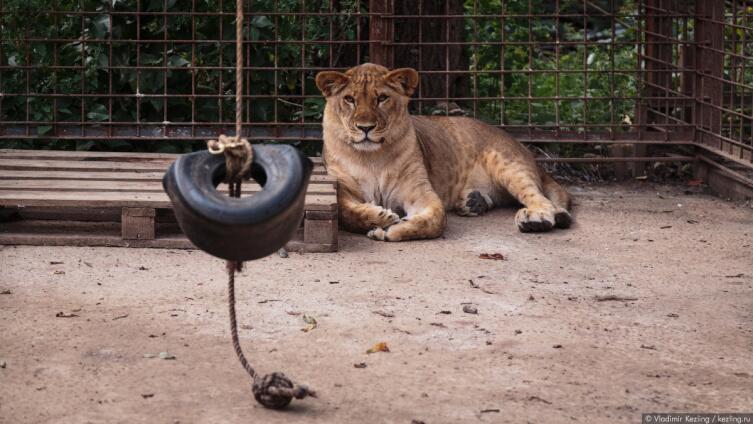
245, 228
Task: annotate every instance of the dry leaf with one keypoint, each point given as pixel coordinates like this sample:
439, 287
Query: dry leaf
379, 347
311, 321
492, 256
65, 315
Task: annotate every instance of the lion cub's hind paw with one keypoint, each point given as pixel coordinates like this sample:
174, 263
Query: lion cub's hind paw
533, 221
475, 204
377, 234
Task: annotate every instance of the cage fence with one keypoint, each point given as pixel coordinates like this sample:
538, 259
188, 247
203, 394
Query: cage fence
159, 74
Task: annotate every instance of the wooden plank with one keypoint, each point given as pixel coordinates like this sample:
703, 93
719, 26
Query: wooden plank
96, 166
81, 155
73, 198
112, 176
85, 155
70, 213
81, 165
124, 199
147, 212
128, 186
81, 185
81, 175
34, 226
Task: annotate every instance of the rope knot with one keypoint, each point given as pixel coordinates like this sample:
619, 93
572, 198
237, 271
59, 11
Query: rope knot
275, 390
238, 155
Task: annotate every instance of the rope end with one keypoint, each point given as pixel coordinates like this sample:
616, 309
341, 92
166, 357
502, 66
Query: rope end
276, 391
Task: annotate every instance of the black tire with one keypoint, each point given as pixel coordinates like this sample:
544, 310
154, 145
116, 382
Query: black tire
245, 228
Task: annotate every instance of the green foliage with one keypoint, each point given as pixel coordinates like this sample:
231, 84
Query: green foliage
184, 82
101, 53
584, 77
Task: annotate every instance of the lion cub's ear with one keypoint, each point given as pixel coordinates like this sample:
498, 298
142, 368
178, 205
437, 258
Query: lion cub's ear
330, 82
406, 78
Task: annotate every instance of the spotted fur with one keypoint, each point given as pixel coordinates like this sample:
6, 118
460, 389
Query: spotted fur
398, 174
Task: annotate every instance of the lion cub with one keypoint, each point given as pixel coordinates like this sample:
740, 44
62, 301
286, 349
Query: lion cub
397, 173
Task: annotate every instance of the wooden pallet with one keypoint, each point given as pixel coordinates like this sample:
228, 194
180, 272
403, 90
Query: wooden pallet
63, 198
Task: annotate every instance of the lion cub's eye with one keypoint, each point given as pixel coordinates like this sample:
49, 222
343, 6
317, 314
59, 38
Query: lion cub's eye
382, 98
349, 99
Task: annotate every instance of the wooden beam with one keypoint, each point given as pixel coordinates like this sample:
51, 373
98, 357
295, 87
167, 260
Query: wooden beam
137, 223
381, 33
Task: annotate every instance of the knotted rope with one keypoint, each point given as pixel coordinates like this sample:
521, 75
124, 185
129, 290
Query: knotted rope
238, 152
272, 390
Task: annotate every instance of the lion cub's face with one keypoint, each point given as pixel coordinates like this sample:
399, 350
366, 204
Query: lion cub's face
369, 101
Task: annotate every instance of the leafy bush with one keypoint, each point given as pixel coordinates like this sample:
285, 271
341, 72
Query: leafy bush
94, 53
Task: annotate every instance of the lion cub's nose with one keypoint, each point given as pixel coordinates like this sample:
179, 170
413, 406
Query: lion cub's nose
365, 127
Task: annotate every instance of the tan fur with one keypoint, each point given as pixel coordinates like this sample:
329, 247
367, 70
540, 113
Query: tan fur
397, 173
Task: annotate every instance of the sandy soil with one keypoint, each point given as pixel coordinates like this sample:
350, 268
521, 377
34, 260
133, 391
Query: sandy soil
542, 347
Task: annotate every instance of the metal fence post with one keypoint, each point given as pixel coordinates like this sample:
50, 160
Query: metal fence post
657, 77
381, 33
709, 65
658, 59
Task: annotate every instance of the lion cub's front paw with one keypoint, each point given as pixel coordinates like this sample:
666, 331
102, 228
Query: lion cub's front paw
534, 220
386, 217
562, 219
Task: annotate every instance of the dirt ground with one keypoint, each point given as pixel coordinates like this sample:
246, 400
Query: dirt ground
547, 344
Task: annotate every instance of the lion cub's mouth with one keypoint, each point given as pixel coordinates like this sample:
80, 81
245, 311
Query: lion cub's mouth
369, 140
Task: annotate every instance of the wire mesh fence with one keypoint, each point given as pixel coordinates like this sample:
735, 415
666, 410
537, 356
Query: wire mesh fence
117, 72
